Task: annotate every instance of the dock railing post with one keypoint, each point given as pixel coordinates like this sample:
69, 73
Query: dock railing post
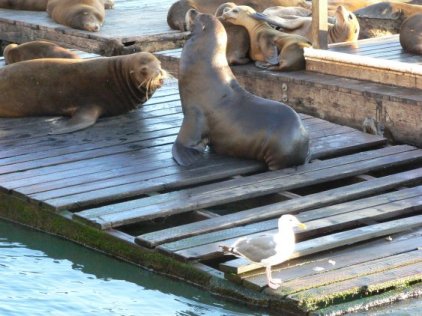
319, 24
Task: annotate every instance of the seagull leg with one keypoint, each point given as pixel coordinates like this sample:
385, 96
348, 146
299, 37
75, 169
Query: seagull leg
272, 283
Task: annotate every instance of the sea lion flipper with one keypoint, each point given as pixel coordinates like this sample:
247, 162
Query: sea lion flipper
82, 118
185, 156
190, 144
276, 21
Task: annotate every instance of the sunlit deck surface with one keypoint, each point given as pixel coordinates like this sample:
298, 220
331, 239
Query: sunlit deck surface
137, 24
360, 198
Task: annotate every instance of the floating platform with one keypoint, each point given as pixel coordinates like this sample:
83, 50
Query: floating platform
115, 187
345, 93
131, 26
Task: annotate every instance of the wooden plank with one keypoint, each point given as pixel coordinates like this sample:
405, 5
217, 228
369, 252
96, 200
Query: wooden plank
87, 166
356, 273
337, 222
319, 221
348, 289
349, 272
17, 167
311, 201
85, 158
211, 190
183, 178
243, 188
329, 261
317, 244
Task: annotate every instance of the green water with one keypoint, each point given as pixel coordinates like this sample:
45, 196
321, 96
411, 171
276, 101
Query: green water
45, 275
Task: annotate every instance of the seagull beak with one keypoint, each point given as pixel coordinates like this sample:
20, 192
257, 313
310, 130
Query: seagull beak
301, 225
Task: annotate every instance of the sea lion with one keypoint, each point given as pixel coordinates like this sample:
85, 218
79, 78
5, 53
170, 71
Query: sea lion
177, 12
345, 29
411, 34
270, 49
85, 15
287, 11
38, 5
220, 113
33, 50
84, 89
238, 41
389, 10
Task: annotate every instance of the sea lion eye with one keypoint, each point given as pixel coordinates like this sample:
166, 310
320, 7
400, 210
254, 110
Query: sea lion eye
350, 17
85, 13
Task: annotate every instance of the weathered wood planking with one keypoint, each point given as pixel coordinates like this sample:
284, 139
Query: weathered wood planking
338, 216
248, 187
135, 24
129, 155
331, 260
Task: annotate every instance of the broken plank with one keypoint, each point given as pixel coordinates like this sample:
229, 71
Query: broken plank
319, 225
316, 200
319, 244
342, 221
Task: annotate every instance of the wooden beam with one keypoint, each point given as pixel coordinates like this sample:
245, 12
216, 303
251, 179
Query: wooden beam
319, 24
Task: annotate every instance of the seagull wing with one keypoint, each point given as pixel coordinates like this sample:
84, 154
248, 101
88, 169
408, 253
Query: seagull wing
257, 248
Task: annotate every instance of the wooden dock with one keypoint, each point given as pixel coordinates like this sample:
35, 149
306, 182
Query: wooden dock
131, 26
116, 188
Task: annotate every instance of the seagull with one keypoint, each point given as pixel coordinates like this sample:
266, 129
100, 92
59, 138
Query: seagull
268, 249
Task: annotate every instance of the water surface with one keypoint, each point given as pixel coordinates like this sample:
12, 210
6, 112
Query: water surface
45, 275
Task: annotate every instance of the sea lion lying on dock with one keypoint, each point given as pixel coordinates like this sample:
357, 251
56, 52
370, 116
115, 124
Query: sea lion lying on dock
345, 29
220, 113
14, 53
411, 34
38, 5
176, 15
271, 49
83, 89
389, 10
85, 15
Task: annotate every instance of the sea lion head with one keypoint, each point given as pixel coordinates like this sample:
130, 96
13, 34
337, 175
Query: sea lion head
224, 7
146, 72
177, 13
88, 19
238, 14
208, 27
10, 54
347, 25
